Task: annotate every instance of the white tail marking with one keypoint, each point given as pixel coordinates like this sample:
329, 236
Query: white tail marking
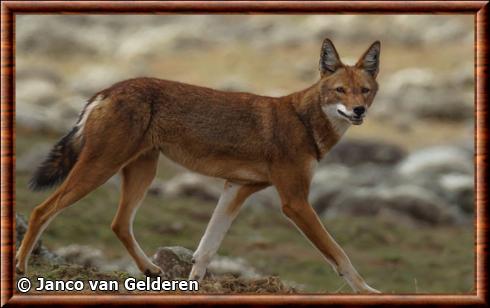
85, 114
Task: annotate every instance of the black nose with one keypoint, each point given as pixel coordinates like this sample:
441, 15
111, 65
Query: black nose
359, 111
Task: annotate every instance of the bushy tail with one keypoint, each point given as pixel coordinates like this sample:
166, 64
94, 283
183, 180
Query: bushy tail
59, 162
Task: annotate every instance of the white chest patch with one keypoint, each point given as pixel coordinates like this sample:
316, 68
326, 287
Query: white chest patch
339, 123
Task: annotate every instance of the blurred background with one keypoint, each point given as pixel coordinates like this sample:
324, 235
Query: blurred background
397, 192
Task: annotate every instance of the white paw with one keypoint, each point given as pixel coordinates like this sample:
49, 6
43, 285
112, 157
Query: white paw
197, 273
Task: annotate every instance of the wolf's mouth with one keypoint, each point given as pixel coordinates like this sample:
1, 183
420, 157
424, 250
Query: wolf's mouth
356, 120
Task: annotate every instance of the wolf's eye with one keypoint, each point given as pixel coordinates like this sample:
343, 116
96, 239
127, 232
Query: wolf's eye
340, 89
365, 90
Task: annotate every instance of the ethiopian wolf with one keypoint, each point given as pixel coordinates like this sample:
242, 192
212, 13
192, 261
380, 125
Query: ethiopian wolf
248, 140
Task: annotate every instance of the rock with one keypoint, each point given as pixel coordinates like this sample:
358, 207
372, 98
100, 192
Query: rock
175, 262
412, 201
86, 256
237, 267
328, 182
439, 104
372, 175
422, 205
436, 160
355, 152
459, 189
423, 94
333, 180
192, 185
94, 258
444, 170
39, 250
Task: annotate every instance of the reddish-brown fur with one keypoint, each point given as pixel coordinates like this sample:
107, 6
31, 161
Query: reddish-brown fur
246, 139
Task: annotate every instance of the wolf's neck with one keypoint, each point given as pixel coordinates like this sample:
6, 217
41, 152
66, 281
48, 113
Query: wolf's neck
325, 131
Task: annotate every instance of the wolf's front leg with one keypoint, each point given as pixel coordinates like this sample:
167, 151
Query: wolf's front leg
225, 212
299, 211
303, 216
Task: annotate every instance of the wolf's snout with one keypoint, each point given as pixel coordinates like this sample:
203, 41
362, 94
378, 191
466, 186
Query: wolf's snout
359, 110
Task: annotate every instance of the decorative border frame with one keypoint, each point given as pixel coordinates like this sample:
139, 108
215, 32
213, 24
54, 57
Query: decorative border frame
11, 8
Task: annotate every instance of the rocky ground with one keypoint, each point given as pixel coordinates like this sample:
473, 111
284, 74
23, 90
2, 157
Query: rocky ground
82, 262
398, 191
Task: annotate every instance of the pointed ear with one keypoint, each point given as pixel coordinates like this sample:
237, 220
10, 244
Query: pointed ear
329, 58
370, 59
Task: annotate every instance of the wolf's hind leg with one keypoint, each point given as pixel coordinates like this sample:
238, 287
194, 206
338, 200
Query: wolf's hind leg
225, 212
87, 174
136, 178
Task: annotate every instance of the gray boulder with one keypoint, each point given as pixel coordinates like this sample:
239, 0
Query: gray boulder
436, 160
328, 182
93, 257
193, 185
237, 267
354, 152
86, 256
332, 180
408, 200
39, 249
421, 93
459, 190
175, 261
447, 171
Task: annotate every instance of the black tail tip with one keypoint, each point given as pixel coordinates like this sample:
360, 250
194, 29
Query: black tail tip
42, 180
57, 164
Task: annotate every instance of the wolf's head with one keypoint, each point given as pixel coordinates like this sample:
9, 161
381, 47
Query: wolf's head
346, 91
